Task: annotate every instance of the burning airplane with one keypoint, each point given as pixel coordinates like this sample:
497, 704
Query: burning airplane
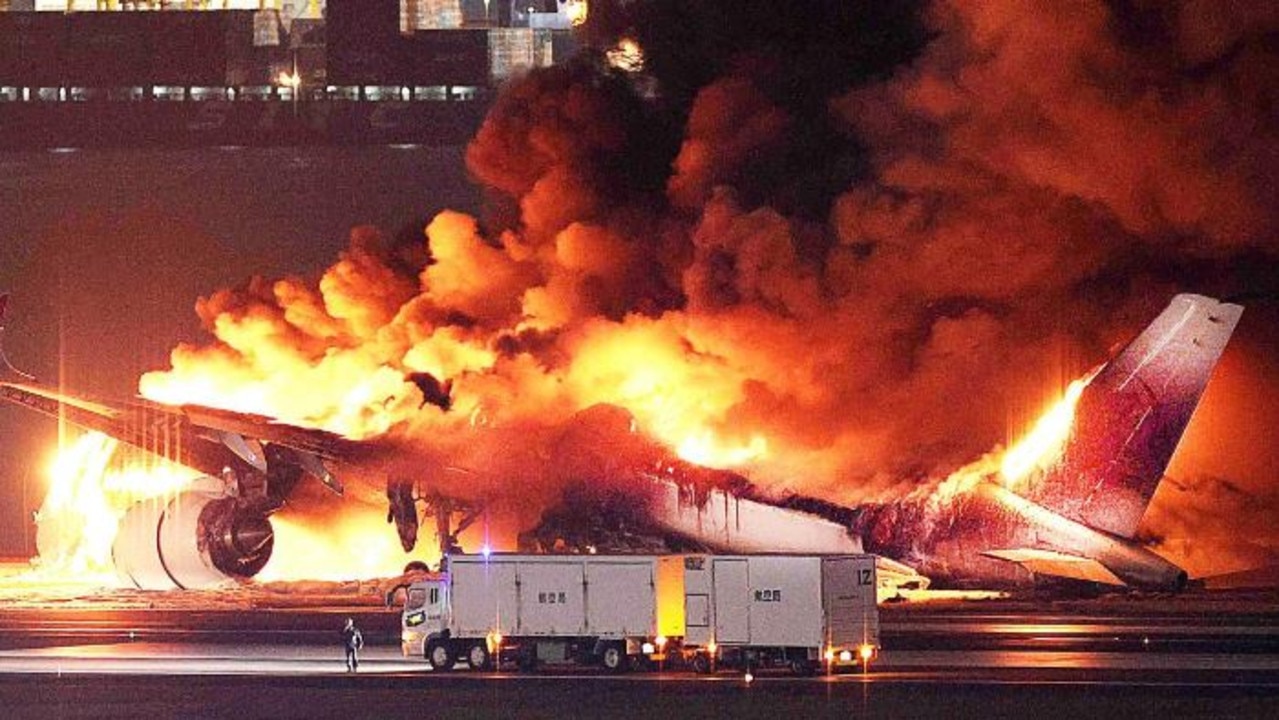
836, 260
1066, 505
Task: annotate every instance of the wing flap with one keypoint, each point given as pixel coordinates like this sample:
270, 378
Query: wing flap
1047, 562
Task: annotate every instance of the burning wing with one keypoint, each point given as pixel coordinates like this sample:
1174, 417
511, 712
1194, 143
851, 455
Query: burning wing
219, 527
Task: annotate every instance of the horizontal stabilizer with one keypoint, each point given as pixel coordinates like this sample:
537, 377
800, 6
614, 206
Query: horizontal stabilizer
1047, 562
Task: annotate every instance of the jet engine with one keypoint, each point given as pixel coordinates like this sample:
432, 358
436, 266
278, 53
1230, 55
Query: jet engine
198, 538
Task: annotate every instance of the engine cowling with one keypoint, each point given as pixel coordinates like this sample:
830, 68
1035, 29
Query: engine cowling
199, 538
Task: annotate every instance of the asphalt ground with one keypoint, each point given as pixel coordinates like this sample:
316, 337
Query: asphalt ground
1157, 658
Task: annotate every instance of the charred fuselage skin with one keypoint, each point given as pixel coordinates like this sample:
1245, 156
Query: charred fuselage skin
1086, 505
947, 541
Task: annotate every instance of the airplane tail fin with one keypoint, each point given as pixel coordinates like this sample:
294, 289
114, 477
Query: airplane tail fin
7, 371
1130, 418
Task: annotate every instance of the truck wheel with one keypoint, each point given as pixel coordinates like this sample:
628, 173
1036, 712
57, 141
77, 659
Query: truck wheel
614, 658
526, 660
440, 656
478, 657
701, 663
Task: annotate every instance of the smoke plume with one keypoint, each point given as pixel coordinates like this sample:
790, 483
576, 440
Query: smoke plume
845, 248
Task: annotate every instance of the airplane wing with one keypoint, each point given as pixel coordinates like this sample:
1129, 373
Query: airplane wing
153, 426
1057, 564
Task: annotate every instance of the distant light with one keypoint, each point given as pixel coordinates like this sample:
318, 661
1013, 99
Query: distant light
845, 656
647, 648
485, 550
749, 677
627, 56
577, 11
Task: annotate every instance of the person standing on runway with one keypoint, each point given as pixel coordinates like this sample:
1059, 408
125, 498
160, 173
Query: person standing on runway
352, 641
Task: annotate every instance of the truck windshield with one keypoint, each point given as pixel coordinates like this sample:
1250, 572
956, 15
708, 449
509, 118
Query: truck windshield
416, 599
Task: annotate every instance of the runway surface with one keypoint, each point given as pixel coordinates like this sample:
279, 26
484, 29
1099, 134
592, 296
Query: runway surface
1160, 659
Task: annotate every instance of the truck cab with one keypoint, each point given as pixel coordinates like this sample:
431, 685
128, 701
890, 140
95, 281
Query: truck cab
425, 614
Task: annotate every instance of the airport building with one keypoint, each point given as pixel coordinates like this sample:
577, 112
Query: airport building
305, 56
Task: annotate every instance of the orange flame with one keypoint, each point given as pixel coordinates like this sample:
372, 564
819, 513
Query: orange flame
1036, 451
627, 56
355, 545
1043, 444
89, 491
706, 448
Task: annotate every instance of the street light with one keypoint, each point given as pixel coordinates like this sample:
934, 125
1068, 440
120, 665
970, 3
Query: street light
293, 81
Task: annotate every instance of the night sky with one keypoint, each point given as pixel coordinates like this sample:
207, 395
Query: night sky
883, 233
106, 252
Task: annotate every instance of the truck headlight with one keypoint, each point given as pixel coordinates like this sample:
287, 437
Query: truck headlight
415, 619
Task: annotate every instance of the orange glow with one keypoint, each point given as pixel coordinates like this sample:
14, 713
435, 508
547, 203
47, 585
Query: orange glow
89, 491
1042, 445
706, 449
353, 545
627, 55
1036, 451
577, 11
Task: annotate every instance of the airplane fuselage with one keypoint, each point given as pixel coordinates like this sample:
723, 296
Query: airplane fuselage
958, 541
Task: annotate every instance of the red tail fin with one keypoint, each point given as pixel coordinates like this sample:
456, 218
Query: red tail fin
1131, 417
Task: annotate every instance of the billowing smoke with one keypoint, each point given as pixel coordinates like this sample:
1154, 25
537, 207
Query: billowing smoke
845, 247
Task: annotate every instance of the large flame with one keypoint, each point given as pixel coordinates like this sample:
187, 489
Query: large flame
90, 488
796, 253
1043, 444
1036, 451
355, 545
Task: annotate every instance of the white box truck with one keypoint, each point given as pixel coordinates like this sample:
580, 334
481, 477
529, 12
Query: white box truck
543, 608
801, 611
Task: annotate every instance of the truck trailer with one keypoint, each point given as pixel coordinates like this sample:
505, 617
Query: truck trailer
591, 609
704, 611
801, 611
